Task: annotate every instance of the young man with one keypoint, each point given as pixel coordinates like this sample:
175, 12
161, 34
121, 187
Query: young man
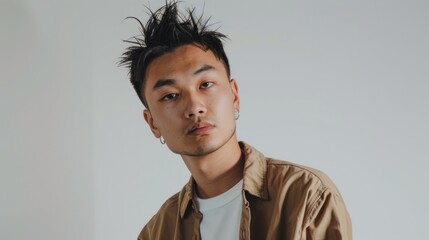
181, 74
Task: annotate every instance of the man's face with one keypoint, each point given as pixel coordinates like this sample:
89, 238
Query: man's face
191, 101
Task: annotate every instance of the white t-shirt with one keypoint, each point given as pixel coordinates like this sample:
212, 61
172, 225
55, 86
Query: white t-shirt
221, 215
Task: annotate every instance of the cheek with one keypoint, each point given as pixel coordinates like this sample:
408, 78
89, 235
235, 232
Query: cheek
168, 118
158, 119
224, 105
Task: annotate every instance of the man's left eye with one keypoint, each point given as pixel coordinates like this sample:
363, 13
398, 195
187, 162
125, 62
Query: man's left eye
206, 84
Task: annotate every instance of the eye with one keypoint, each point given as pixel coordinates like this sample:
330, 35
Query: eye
169, 97
206, 84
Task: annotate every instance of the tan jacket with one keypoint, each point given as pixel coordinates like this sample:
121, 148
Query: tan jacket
281, 200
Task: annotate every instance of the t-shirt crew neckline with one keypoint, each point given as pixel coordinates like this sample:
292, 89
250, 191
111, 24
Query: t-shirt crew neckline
220, 200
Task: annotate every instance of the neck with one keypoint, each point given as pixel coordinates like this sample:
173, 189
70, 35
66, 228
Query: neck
217, 172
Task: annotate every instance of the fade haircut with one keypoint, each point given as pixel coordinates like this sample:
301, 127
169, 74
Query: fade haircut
166, 30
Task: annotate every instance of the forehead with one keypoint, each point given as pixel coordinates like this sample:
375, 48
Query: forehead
180, 62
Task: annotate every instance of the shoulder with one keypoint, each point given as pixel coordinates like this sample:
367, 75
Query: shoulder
301, 184
285, 171
320, 197
324, 213
273, 173
165, 216
168, 208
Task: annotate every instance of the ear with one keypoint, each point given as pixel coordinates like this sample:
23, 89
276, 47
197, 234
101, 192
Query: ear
151, 122
236, 98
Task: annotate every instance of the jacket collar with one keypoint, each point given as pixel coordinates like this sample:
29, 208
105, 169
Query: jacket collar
254, 172
254, 179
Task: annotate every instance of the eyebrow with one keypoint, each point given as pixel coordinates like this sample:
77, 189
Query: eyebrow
203, 68
166, 82
163, 82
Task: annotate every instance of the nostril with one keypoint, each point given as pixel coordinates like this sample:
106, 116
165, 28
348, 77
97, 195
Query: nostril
194, 113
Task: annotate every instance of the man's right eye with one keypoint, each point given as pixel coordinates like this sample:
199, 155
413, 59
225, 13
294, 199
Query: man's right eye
169, 97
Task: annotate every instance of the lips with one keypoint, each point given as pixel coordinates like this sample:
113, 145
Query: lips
200, 128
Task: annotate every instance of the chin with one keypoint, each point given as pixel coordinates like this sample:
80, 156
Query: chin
197, 149
202, 149
202, 146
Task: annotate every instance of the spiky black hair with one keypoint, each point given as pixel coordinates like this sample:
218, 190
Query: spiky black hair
166, 30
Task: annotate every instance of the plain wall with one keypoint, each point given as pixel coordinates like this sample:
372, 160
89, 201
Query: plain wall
341, 86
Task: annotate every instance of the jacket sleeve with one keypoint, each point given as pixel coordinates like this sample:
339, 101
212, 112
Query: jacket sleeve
144, 234
328, 218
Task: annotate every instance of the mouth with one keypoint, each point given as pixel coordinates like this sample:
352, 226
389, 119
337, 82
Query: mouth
200, 128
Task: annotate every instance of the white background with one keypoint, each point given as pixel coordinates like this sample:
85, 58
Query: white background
341, 86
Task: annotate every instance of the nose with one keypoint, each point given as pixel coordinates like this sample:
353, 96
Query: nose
194, 106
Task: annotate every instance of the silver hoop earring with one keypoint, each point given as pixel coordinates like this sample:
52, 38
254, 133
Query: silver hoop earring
237, 115
161, 140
